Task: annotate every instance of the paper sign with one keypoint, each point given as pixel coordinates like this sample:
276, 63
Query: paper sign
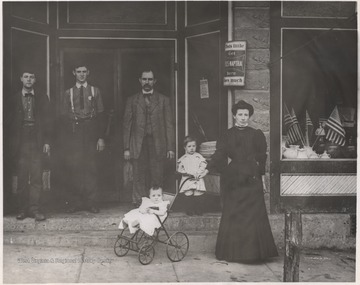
235, 59
204, 88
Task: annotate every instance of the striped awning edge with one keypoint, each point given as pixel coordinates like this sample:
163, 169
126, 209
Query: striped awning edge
318, 185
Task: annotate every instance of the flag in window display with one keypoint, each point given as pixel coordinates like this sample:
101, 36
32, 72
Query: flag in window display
335, 132
309, 127
291, 130
297, 126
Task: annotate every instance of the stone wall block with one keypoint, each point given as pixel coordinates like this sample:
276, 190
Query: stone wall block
255, 38
261, 120
329, 229
257, 80
252, 18
257, 59
260, 98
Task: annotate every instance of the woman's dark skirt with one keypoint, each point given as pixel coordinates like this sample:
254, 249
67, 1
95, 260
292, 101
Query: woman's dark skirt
244, 233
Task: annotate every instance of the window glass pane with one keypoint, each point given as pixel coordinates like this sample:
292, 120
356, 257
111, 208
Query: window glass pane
32, 11
318, 9
196, 12
319, 94
150, 12
203, 71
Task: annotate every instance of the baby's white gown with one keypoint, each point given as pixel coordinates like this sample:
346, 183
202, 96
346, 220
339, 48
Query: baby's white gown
193, 164
147, 222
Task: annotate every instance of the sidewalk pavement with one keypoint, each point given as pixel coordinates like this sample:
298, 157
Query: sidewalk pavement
40, 264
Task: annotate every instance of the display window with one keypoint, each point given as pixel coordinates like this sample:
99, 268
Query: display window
313, 98
319, 94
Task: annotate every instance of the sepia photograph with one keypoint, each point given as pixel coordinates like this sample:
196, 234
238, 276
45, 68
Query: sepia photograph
179, 141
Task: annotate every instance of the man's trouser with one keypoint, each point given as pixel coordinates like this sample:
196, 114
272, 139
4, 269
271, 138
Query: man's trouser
29, 171
81, 172
148, 170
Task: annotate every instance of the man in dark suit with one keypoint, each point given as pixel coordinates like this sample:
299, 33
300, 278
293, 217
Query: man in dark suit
82, 112
148, 136
29, 127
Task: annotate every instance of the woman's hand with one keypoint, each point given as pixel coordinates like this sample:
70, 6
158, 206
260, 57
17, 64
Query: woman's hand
46, 149
170, 154
100, 146
127, 154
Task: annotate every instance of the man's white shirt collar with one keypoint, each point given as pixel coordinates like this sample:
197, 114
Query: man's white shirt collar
78, 85
24, 91
150, 92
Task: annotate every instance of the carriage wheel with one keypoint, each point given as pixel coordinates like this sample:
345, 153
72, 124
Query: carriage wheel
146, 254
122, 246
138, 238
177, 246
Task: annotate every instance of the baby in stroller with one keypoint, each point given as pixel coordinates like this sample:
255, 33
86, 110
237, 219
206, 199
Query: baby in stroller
145, 225
145, 216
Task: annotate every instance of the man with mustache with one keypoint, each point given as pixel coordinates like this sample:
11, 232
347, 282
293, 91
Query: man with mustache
148, 136
83, 112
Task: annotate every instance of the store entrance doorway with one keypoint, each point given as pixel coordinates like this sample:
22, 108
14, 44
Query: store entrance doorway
115, 69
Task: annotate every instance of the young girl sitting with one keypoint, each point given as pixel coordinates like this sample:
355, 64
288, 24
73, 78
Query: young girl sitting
144, 216
192, 166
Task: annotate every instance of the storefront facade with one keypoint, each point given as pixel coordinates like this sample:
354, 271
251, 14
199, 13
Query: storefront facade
184, 42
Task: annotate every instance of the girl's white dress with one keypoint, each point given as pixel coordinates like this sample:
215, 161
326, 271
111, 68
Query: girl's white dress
147, 222
193, 164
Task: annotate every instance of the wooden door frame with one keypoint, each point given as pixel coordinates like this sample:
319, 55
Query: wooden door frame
186, 31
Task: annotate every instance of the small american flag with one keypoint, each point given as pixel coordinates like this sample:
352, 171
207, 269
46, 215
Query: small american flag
309, 127
291, 127
308, 120
296, 125
335, 132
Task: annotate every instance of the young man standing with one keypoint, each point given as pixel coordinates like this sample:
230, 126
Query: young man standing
82, 111
29, 128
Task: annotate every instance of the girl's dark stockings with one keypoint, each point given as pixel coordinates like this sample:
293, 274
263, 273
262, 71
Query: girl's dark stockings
194, 205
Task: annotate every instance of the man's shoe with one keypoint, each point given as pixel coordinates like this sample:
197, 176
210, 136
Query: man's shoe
72, 209
37, 216
93, 210
21, 216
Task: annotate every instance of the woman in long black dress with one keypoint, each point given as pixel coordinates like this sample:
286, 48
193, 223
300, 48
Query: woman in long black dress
244, 234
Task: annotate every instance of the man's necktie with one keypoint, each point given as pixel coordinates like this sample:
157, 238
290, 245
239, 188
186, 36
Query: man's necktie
147, 98
29, 95
81, 97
